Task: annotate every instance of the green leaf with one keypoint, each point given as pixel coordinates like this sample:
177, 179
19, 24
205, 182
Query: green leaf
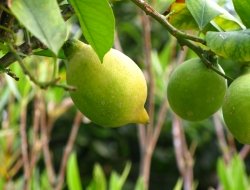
179, 184
232, 176
22, 89
239, 174
13, 87
99, 181
222, 174
49, 53
227, 22
97, 23
242, 7
125, 174
203, 11
2, 183
45, 184
139, 184
234, 45
181, 18
73, 176
43, 19
114, 181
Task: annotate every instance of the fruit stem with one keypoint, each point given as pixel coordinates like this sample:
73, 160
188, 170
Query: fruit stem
202, 55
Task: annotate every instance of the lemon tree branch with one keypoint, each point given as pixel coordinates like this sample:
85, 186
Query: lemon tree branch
183, 38
149, 10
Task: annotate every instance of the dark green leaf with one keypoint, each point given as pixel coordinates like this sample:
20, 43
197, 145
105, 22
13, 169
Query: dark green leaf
43, 19
234, 45
97, 23
48, 53
242, 7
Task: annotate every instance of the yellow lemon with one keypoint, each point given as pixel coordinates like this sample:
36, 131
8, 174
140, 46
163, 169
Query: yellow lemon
112, 93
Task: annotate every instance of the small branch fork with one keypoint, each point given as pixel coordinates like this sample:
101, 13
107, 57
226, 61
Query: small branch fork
183, 154
183, 38
43, 85
42, 122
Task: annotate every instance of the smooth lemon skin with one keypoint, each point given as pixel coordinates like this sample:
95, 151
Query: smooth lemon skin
195, 92
112, 93
236, 109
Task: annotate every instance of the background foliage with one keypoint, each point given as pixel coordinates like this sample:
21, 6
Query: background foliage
38, 107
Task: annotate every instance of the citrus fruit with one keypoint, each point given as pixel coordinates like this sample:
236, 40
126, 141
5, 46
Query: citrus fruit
111, 93
194, 91
236, 109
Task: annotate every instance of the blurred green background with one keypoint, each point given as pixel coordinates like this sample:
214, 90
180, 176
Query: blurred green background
23, 102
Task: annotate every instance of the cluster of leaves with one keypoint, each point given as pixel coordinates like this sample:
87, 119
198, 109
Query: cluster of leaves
46, 23
233, 175
99, 181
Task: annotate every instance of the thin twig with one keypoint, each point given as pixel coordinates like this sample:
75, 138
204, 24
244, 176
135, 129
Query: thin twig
45, 143
43, 85
9, 31
5, 9
147, 151
151, 143
68, 149
117, 43
160, 121
142, 140
177, 141
25, 48
36, 142
16, 167
183, 156
24, 146
148, 61
221, 138
244, 151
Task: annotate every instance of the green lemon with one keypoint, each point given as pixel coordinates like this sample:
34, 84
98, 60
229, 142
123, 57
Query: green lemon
194, 91
112, 93
236, 109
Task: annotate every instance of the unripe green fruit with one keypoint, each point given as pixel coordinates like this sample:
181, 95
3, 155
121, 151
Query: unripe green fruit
236, 109
112, 93
194, 91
